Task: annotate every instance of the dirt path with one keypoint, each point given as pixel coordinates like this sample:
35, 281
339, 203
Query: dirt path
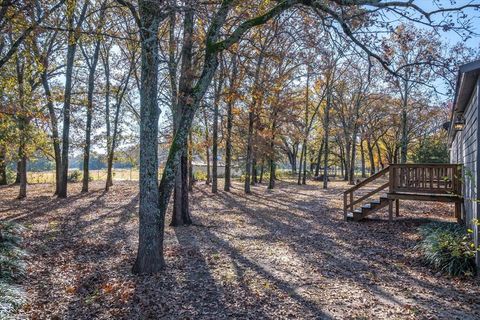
282, 254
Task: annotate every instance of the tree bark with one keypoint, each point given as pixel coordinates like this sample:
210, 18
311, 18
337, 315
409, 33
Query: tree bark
352, 159
22, 169
114, 138
404, 125
302, 154
260, 180
106, 66
254, 179
3, 166
181, 210
326, 124
371, 157
207, 147
362, 157
380, 161
319, 159
218, 90
73, 35
251, 121
248, 166
191, 178
88, 130
51, 111
228, 142
304, 178
151, 224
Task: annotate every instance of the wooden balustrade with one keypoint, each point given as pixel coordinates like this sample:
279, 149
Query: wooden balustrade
429, 182
425, 178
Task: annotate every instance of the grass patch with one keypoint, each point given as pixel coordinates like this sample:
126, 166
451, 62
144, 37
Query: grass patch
447, 247
12, 270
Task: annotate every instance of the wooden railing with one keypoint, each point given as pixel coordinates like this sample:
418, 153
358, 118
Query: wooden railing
425, 178
409, 179
349, 200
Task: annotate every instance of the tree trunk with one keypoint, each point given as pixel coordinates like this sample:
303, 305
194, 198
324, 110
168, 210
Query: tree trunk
186, 218
352, 159
114, 138
3, 166
319, 159
228, 142
251, 121
22, 169
404, 142
207, 149
261, 173
54, 128
191, 178
248, 166
218, 90
181, 210
404, 124
23, 177
106, 66
73, 35
362, 157
228, 148
88, 129
302, 153
209, 179
380, 161
304, 178
307, 128
292, 156
371, 158
151, 224
271, 181
18, 173
326, 150
346, 159
272, 164
254, 179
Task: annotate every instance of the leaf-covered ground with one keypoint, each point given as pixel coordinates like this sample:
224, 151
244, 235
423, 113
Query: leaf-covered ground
282, 254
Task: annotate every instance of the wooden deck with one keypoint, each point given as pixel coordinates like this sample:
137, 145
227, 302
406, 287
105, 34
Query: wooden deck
422, 182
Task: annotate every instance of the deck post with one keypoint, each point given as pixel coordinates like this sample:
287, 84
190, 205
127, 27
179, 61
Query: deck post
345, 216
458, 211
390, 210
397, 208
351, 201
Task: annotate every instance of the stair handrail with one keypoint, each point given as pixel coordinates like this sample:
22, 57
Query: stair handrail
351, 190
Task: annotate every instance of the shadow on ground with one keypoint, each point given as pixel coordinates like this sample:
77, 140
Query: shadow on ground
277, 254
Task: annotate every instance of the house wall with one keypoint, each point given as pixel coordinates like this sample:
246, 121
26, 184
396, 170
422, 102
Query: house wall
464, 150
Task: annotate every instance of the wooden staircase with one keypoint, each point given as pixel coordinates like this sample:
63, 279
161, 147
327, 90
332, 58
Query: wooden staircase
368, 208
425, 182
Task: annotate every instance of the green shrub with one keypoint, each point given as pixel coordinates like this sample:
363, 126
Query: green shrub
74, 176
447, 247
200, 176
12, 269
11, 175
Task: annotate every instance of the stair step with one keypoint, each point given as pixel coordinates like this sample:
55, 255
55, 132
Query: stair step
376, 202
367, 206
357, 211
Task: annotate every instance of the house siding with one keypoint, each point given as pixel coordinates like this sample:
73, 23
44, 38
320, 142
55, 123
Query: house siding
464, 150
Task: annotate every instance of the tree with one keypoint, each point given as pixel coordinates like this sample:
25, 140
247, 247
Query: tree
72, 38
